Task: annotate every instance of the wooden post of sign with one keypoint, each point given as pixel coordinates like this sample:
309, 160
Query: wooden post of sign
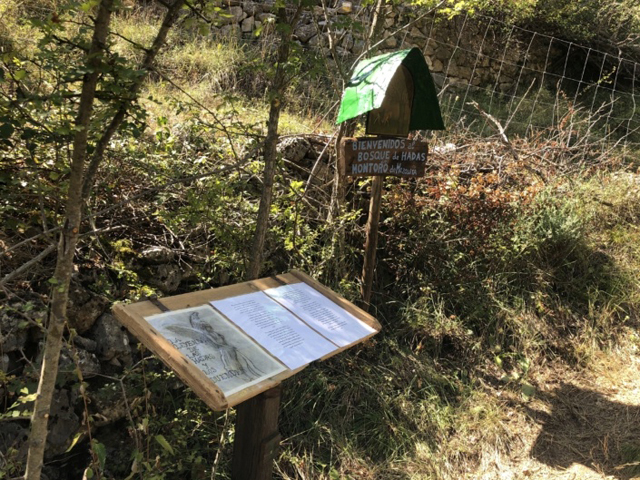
256, 438
371, 243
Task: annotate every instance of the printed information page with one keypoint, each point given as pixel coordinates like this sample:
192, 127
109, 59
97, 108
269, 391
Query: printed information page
275, 329
323, 315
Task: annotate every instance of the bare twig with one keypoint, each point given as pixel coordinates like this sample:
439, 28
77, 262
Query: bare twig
23, 268
148, 191
498, 126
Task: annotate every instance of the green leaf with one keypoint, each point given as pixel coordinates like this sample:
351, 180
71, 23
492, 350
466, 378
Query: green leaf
85, 7
163, 442
75, 440
6, 130
88, 473
101, 452
19, 75
528, 390
28, 398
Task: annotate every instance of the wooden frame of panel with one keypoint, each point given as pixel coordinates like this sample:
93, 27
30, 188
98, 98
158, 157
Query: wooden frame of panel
133, 318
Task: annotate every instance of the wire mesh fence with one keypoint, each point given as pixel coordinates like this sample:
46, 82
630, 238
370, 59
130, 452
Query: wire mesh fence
582, 98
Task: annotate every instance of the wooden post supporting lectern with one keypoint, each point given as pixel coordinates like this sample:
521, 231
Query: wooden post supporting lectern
257, 437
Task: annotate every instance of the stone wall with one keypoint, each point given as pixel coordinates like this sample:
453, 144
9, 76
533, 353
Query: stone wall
460, 52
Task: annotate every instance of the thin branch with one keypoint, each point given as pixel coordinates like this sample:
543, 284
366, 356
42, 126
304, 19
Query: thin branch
498, 126
169, 19
120, 204
23, 268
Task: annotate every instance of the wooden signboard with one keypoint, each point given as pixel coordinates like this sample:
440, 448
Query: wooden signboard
232, 343
362, 157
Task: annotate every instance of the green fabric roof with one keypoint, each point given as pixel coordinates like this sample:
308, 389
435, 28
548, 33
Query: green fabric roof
366, 89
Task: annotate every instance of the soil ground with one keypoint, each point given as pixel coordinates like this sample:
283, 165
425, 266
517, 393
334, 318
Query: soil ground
582, 425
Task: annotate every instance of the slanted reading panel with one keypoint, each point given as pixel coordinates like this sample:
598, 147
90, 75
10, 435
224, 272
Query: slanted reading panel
232, 343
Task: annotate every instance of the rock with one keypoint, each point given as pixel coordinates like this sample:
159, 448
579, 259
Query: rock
112, 339
165, 277
248, 24
253, 9
438, 79
87, 362
232, 16
294, 149
13, 331
465, 72
390, 42
306, 32
437, 65
84, 308
13, 436
315, 41
238, 14
85, 343
266, 17
416, 34
63, 423
157, 255
443, 52
229, 31
347, 42
321, 175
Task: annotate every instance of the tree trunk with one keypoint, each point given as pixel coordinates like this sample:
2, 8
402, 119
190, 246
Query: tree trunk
376, 24
276, 93
66, 249
79, 188
96, 158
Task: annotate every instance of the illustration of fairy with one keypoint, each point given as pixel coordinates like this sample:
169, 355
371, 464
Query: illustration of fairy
230, 357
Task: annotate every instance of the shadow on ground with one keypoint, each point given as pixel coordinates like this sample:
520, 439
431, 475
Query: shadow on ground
584, 426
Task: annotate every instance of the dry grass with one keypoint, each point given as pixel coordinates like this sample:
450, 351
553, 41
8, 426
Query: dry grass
579, 426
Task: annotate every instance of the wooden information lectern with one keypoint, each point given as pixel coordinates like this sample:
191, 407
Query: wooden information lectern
234, 346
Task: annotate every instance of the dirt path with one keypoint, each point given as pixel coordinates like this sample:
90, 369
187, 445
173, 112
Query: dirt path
580, 426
